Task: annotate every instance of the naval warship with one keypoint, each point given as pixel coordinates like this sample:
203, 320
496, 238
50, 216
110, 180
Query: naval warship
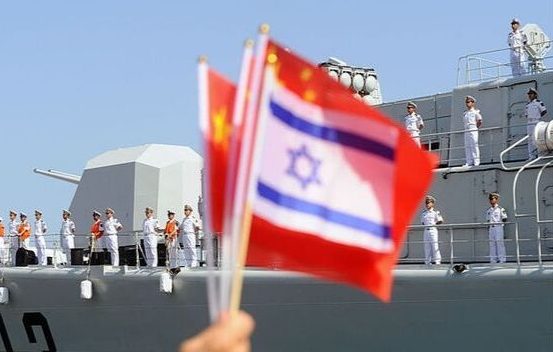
464, 304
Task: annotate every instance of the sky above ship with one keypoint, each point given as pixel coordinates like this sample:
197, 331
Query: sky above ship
80, 78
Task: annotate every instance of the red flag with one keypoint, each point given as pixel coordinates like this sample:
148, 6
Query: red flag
217, 130
335, 182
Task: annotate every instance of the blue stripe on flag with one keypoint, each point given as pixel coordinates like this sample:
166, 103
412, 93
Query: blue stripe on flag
337, 217
332, 134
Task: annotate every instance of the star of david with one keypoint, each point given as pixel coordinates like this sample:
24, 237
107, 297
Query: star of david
304, 167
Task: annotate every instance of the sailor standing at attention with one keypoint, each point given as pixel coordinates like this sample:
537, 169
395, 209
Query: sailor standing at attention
97, 231
189, 228
13, 226
40, 231
2, 245
150, 228
24, 231
67, 233
111, 227
496, 216
413, 122
535, 110
472, 121
431, 217
171, 241
517, 40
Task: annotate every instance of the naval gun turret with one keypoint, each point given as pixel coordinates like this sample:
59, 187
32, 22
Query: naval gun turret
130, 179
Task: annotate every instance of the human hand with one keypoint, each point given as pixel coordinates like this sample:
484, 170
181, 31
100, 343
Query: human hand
230, 333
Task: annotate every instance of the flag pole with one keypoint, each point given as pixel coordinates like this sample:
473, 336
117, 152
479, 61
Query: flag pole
230, 241
203, 114
244, 180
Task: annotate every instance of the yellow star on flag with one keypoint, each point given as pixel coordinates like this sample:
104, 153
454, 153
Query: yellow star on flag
221, 129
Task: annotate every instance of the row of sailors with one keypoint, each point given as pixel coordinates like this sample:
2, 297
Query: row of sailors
104, 235
495, 216
472, 119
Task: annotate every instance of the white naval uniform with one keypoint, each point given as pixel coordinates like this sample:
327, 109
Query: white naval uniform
40, 231
111, 227
412, 123
516, 41
495, 216
430, 218
67, 238
3, 258
534, 110
13, 226
472, 151
187, 236
149, 230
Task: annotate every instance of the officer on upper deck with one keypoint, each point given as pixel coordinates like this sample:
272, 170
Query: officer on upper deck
496, 216
111, 227
13, 226
535, 110
40, 231
472, 121
413, 122
517, 40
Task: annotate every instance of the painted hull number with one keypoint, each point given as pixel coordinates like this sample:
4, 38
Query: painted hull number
29, 320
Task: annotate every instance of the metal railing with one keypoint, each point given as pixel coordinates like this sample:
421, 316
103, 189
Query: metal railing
491, 141
83, 243
495, 64
479, 243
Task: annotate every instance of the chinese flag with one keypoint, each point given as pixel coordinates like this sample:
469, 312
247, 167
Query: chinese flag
217, 138
337, 181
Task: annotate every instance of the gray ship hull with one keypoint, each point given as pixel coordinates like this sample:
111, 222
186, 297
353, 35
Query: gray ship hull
503, 308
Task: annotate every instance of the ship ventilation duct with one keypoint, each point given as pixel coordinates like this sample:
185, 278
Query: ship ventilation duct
543, 135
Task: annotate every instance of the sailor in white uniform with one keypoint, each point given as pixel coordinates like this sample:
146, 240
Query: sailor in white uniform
496, 216
40, 231
535, 110
472, 121
111, 227
413, 122
13, 231
189, 228
150, 229
431, 217
517, 40
67, 233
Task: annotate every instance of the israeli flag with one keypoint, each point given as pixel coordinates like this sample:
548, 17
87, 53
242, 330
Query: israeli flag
326, 173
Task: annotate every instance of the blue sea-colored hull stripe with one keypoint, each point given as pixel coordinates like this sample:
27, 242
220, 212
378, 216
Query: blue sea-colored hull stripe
330, 134
371, 228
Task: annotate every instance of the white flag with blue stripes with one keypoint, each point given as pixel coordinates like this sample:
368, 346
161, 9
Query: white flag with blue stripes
326, 173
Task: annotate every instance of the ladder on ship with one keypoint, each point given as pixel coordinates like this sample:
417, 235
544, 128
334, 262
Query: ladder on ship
542, 162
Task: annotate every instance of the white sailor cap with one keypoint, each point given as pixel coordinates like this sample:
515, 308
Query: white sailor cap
493, 195
23, 215
96, 212
429, 199
411, 104
109, 210
65, 211
14, 212
169, 212
149, 209
38, 212
187, 207
470, 98
515, 20
532, 91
